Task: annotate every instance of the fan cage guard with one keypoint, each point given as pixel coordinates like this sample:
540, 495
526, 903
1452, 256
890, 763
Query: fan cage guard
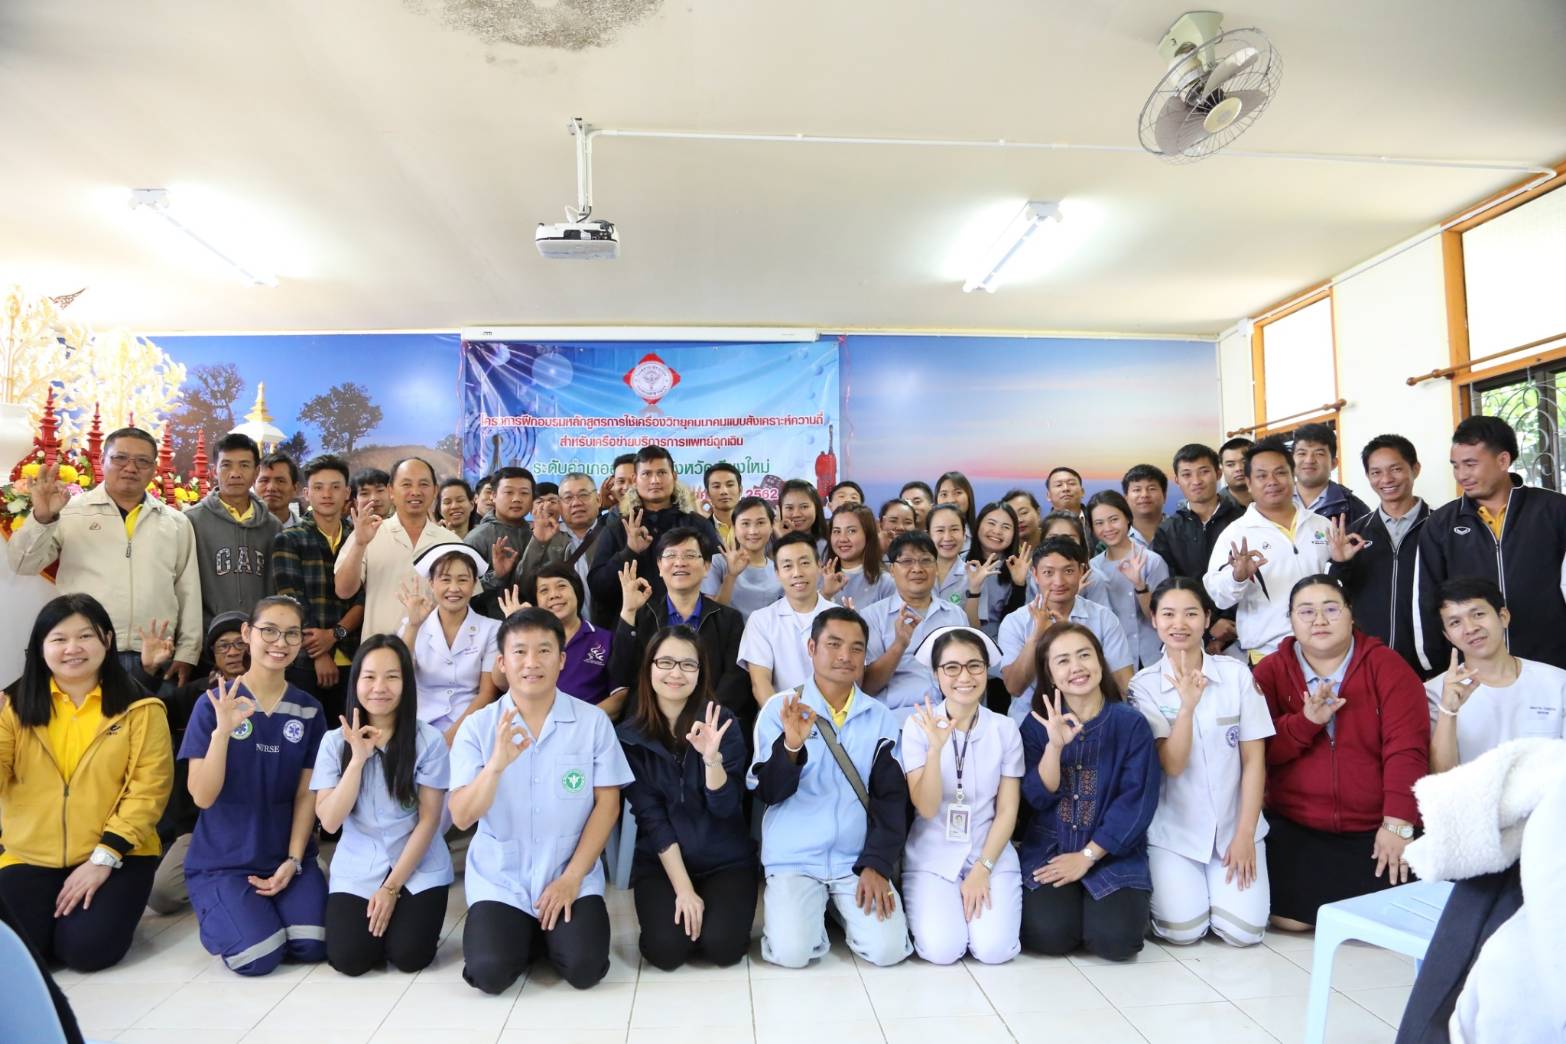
1262, 75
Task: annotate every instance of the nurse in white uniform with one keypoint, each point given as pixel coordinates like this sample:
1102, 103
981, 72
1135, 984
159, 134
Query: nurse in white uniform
540, 772
1205, 847
453, 646
962, 883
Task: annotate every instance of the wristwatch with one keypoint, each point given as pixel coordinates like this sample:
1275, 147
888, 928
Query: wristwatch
339, 632
298, 864
1088, 851
1405, 831
975, 594
102, 856
987, 863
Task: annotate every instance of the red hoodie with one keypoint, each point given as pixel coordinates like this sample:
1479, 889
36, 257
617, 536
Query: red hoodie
1367, 772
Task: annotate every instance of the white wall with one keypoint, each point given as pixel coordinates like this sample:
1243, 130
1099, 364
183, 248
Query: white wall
1236, 403
1391, 324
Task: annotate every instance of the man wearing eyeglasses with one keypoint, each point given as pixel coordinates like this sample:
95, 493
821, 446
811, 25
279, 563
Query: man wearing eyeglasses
120, 544
893, 674
563, 532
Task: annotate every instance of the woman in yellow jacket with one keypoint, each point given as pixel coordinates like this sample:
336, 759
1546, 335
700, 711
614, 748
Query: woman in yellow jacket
85, 770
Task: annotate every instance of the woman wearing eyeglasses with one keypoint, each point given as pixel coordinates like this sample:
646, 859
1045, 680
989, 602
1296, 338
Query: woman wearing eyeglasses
1353, 736
694, 872
962, 883
259, 896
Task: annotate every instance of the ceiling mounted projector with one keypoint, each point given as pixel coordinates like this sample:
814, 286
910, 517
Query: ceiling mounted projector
580, 237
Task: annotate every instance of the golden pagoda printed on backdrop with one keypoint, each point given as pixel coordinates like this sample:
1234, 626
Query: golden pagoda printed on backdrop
258, 423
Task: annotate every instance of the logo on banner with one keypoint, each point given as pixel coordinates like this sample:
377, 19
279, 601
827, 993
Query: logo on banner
651, 378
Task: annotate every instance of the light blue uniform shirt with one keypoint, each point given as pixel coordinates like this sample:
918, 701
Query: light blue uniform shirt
1014, 631
954, 589
911, 682
1123, 601
755, 588
542, 803
863, 592
378, 827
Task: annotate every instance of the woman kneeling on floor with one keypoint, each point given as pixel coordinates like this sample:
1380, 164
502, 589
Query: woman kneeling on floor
382, 779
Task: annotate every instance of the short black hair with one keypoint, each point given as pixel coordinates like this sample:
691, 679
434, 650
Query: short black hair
277, 457
847, 484
917, 539
651, 452
1190, 585
890, 504
30, 695
1239, 442
1320, 434
1013, 494
484, 480
1271, 444
724, 466
807, 489
1470, 589
1057, 470
922, 487
1078, 523
1144, 473
746, 503
1195, 453
556, 570
530, 619
1396, 443
1318, 580
547, 489
679, 535
327, 462
453, 481
837, 612
622, 460
1065, 547
514, 472
238, 442
1110, 499
798, 536
1491, 432
368, 477
397, 466
129, 433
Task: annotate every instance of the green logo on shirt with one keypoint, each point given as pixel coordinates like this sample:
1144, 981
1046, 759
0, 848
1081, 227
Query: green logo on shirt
242, 731
573, 781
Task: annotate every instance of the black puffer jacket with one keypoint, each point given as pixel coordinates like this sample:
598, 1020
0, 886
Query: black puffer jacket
1380, 582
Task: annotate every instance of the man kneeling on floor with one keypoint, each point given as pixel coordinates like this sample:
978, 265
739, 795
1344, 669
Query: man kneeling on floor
836, 802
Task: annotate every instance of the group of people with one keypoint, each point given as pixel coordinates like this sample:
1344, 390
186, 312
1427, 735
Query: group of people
954, 728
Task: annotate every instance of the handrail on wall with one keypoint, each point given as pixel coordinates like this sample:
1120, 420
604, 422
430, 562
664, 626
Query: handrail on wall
1448, 371
1314, 411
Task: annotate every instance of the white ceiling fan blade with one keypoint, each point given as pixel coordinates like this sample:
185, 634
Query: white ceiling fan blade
1177, 128
1228, 68
1234, 106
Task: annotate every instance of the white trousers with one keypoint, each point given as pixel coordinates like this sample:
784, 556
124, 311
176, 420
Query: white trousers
1189, 897
793, 922
941, 935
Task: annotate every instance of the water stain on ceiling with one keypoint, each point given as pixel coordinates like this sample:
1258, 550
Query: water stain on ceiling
571, 25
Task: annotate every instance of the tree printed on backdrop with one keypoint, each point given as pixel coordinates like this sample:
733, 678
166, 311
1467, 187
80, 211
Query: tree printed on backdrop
771, 410
343, 415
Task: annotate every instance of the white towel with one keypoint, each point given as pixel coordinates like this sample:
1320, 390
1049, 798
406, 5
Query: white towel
1474, 814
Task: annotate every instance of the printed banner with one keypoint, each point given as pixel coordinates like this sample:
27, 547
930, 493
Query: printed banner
771, 410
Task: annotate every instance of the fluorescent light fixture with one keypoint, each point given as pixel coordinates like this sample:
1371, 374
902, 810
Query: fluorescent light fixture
155, 202
1021, 230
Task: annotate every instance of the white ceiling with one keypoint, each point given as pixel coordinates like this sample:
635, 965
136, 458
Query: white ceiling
392, 165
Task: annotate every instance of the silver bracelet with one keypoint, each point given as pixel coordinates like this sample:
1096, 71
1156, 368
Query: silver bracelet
1449, 713
793, 750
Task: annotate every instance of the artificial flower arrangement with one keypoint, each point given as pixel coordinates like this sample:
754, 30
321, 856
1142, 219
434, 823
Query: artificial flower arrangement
75, 472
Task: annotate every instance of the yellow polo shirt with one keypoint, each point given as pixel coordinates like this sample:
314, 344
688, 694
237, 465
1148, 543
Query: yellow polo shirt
840, 717
131, 518
72, 728
237, 516
1496, 522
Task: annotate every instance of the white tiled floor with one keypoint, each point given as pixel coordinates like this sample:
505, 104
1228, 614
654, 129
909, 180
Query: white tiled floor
170, 990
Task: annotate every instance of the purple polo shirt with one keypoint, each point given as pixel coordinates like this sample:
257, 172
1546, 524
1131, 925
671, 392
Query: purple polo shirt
586, 671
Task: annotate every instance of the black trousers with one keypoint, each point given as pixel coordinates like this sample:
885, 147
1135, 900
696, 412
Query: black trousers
410, 939
500, 941
729, 909
1309, 868
88, 938
1055, 921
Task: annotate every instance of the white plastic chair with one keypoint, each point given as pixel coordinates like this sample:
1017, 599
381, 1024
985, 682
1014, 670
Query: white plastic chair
1400, 919
621, 848
28, 1012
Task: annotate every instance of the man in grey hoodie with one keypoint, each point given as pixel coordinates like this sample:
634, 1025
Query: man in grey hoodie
234, 533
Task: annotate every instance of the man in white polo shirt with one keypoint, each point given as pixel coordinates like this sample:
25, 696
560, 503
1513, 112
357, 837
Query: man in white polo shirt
380, 555
772, 649
1491, 697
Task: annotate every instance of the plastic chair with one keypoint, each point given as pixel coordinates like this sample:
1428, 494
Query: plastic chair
28, 1012
1400, 919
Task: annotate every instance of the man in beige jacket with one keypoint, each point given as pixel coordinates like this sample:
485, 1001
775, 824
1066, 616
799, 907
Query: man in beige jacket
121, 545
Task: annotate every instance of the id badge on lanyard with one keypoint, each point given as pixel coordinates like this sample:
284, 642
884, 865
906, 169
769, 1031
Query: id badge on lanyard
958, 814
